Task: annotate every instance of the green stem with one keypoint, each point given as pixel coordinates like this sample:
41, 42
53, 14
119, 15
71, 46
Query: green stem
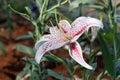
115, 33
80, 9
114, 46
36, 30
9, 23
40, 72
56, 6
110, 5
41, 11
90, 57
56, 16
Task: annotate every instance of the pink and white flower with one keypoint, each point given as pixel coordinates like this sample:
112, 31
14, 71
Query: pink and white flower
68, 34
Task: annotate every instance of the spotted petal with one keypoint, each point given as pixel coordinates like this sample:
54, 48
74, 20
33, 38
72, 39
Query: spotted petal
65, 26
75, 52
82, 24
43, 39
56, 35
94, 33
54, 30
47, 46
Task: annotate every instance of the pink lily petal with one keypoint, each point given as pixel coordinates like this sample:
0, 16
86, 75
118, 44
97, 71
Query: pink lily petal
54, 30
59, 34
75, 52
47, 46
82, 24
94, 33
43, 39
65, 26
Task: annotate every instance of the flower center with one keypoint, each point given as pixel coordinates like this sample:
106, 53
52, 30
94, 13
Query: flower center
67, 37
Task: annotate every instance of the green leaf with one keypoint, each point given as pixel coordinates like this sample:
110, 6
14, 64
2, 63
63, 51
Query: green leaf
26, 70
2, 48
48, 57
107, 57
25, 49
23, 37
109, 37
76, 3
34, 76
97, 7
39, 3
21, 74
54, 74
28, 10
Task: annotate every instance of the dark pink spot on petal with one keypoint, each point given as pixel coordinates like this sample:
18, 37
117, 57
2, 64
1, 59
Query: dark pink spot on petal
64, 30
73, 47
82, 30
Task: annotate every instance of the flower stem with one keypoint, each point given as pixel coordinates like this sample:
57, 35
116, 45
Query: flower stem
41, 11
56, 6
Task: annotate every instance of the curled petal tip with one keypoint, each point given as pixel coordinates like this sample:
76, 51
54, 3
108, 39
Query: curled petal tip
90, 67
75, 52
97, 21
37, 61
38, 56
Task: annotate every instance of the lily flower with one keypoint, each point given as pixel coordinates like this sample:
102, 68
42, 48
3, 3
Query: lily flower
68, 34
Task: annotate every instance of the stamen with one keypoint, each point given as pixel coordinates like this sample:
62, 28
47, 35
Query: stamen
51, 24
48, 21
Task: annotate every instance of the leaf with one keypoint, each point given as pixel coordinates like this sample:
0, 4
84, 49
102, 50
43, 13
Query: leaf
28, 10
30, 60
25, 49
27, 69
21, 74
97, 7
76, 3
109, 37
48, 57
23, 37
2, 48
34, 76
55, 74
107, 57
39, 3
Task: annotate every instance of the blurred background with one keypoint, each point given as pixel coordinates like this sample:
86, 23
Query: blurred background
18, 36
